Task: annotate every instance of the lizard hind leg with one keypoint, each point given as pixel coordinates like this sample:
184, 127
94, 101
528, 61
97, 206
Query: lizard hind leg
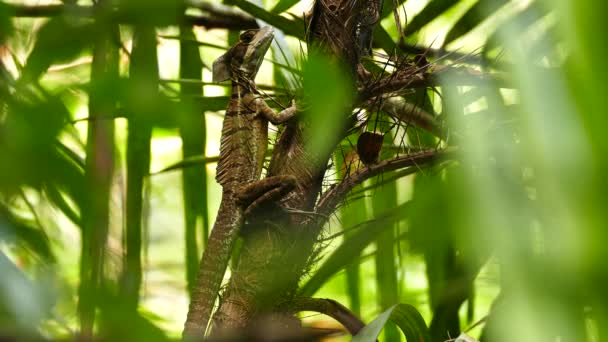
256, 194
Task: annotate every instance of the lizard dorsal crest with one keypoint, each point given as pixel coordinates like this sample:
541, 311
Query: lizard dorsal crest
221, 68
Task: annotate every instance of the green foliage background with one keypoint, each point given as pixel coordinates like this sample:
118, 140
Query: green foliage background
107, 165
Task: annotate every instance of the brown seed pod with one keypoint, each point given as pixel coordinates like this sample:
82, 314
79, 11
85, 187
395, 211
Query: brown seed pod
368, 147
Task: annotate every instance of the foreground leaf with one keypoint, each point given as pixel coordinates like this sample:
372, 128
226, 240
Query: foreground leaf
473, 17
431, 12
405, 316
59, 40
290, 27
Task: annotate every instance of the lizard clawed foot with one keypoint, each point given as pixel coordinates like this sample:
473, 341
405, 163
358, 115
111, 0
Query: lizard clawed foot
254, 195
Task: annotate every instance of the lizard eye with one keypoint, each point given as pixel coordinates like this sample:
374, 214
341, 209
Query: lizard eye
247, 36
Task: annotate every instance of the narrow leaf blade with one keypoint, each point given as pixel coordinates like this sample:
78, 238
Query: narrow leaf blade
473, 17
431, 12
405, 316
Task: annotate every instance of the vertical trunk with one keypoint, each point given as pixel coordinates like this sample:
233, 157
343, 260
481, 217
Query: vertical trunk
193, 134
144, 82
98, 174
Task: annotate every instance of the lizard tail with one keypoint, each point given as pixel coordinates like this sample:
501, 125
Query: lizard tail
212, 267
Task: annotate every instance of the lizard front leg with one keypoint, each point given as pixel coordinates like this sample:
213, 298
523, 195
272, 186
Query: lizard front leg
255, 194
271, 115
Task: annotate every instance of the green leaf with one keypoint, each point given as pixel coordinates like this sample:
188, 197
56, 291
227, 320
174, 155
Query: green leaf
150, 12
405, 316
61, 39
384, 40
283, 5
57, 199
15, 231
517, 24
291, 27
23, 301
432, 11
389, 6
328, 92
6, 26
473, 17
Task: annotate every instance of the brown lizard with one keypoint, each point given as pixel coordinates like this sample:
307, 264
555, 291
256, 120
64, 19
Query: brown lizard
242, 149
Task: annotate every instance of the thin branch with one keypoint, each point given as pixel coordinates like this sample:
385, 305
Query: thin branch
441, 53
405, 112
331, 198
407, 79
333, 309
42, 11
220, 22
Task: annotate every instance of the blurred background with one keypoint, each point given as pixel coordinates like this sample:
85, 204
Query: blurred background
109, 135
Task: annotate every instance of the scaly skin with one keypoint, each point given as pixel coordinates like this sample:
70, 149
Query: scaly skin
243, 146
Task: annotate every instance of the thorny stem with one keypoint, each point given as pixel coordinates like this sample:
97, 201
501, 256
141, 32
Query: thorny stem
328, 202
406, 79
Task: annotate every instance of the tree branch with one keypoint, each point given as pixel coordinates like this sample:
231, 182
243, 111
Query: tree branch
42, 11
412, 79
227, 20
408, 113
441, 53
333, 309
328, 202
220, 22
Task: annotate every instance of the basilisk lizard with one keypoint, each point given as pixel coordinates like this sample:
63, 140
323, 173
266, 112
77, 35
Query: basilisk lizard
242, 148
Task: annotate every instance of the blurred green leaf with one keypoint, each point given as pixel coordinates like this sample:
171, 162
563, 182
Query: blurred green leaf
291, 27
57, 199
433, 10
518, 24
120, 322
6, 27
384, 40
15, 231
405, 316
28, 142
389, 7
23, 302
60, 40
283, 5
328, 92
150, 12
473, 17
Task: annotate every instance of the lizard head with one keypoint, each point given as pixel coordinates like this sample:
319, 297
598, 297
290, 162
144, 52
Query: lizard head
245, 58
